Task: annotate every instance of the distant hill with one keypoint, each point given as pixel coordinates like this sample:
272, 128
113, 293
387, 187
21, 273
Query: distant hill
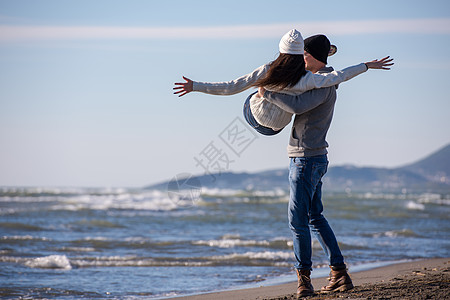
246, 181
430, 174
435, 167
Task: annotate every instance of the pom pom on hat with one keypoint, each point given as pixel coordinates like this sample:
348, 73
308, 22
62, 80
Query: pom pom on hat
292, 43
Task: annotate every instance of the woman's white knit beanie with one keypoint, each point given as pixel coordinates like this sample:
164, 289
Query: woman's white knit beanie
292, 43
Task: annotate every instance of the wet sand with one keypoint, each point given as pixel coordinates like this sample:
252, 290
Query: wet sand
422, 279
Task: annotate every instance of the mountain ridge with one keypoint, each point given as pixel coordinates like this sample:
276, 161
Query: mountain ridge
429, 174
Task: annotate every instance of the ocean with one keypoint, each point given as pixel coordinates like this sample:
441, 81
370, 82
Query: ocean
120, 243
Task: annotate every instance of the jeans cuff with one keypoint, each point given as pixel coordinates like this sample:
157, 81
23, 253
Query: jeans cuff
338, 267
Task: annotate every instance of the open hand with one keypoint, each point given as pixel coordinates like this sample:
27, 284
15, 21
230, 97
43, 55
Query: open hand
182, 88
383, 63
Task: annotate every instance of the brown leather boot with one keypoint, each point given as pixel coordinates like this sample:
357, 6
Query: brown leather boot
339, 281
305, 287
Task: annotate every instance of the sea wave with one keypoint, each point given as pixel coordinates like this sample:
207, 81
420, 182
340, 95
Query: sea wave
77, 249
230, 242
19, 226
45, 292
99, 243
45, 262
103, 243
14, 238
263, 255
50, 262
92, 244
414, 205
437, 199
75, 200
146, 201
263, 258
216, 192
24, 192
251, 258
396, 233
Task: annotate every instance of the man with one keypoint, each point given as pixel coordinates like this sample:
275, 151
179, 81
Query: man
307, 150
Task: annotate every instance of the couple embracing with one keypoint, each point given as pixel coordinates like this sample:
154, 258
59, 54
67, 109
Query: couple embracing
298, 83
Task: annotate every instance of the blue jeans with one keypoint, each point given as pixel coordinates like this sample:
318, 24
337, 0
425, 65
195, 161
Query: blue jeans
305, 211
252, 122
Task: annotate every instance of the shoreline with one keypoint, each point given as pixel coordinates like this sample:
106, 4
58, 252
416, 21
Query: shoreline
365, 281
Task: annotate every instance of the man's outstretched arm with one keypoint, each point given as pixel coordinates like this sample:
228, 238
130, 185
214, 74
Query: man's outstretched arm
297, 104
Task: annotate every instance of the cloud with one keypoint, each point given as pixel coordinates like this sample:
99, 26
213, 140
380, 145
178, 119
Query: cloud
394, 26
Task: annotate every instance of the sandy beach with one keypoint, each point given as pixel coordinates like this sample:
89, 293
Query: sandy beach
422, 279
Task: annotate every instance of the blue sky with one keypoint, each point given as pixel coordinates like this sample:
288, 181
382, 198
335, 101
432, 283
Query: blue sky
86, 86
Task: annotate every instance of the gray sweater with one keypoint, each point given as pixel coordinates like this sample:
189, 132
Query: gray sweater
313, 114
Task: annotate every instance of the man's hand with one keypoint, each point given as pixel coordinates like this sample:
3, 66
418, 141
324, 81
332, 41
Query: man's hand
184, 87
383, 63
261, 92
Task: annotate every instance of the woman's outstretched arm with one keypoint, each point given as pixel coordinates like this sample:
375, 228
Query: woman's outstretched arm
220, 88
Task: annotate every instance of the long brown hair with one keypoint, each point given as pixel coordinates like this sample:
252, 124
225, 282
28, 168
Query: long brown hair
285, 71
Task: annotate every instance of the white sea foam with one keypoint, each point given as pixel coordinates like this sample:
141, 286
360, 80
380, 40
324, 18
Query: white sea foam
434, 199
78, 199
132, 261
396, 233
12, 259
24, 237
74, 199
269, 255
238, 192
18, 191
229, 243
78, 249
50, 262
265, 255
415, 206
220, 192
143, 201
370, 195
279, 258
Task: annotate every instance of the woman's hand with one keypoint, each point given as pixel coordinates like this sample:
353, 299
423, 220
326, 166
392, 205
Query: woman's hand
383, 63
184, 87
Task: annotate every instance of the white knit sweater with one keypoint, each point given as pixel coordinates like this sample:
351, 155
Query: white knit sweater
266, 113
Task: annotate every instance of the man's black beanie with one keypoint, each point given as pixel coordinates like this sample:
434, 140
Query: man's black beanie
318, 46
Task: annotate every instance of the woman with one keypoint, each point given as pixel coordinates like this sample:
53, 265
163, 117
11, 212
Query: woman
285, 74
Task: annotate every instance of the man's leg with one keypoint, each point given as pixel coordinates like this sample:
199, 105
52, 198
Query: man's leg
322, 230
339, 278
298, 211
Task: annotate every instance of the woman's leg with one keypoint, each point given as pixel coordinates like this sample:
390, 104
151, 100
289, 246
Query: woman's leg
253, 123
